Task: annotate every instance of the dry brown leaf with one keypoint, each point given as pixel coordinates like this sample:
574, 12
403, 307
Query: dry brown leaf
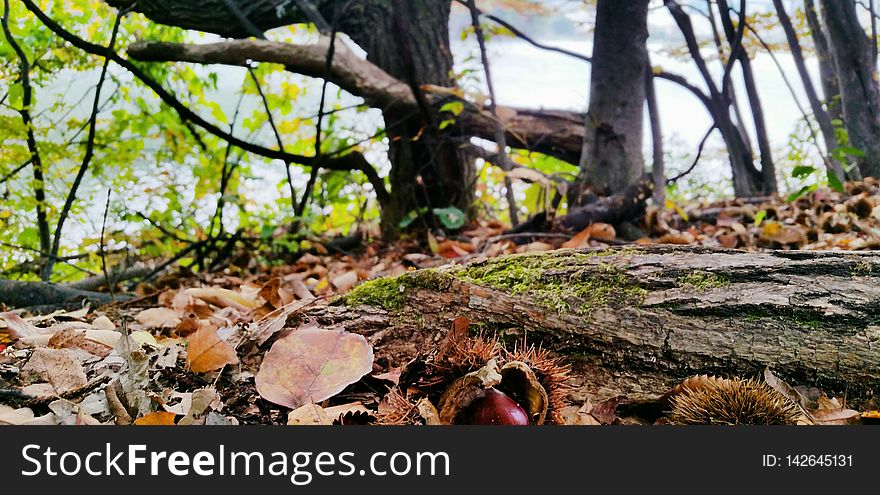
574, 415
103, 323
599, 231
309, 415
311, 365
158, 318
207, 352
836, 416
59, 368
345, 281
224, 298
77, 339
17, 327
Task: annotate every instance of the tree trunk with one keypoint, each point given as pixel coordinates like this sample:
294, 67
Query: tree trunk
747, 180
768, 168
612, 155
658, 159
822, 117
634, 322
827, 72
860, 94
427, 170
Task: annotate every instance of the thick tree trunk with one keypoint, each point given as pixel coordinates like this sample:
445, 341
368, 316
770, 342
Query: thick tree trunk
856, 74
612, 156
636, 321
427, 170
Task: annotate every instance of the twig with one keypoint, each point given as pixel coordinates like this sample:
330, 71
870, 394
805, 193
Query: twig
278, 138
101, 247
500, 137
696, 158
328, 68
345, 162
16, 170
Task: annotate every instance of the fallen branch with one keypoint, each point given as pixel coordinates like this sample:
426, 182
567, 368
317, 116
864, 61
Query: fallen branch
16, 294
626, 205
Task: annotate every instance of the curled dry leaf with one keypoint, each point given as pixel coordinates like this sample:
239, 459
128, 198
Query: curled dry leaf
224, 298
311, 365
207, 352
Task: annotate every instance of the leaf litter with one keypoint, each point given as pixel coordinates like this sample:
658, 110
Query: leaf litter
227, 348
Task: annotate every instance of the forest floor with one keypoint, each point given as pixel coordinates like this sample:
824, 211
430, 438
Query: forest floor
198, 343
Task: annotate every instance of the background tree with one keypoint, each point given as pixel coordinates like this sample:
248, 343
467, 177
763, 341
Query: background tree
612, 155
856, 77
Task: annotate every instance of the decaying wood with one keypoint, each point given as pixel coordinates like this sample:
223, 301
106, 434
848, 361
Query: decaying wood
813, 317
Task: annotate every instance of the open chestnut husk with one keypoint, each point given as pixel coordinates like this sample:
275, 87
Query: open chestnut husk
475, 380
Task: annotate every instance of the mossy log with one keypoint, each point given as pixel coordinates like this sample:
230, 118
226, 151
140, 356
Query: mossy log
634, 322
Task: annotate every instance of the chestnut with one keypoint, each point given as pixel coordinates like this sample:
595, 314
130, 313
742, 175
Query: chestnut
496, 408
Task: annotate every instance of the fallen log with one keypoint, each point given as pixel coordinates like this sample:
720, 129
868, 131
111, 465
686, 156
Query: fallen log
46, 296
634, 322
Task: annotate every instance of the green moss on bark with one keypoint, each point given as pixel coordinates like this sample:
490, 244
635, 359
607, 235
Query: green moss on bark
562, 281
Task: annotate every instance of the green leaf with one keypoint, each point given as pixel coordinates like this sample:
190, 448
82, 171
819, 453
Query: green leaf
800, 192
802, 171
16, 95
451, 217
453, 107
408, 219
849, 150
446, 123
834, 181
759, 217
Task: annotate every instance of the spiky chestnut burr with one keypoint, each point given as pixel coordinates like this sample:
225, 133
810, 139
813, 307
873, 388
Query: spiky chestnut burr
721, 401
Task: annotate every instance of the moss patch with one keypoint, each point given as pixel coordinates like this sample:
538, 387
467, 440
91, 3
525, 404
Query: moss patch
702, 281
390, 293
562, 281
861, 268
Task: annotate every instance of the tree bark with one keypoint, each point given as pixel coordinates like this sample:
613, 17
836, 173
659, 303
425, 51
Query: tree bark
747, 180
827, 72
822, 117
612, 155
635, 322
658, 159
860, 94
17, 294
768, 167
